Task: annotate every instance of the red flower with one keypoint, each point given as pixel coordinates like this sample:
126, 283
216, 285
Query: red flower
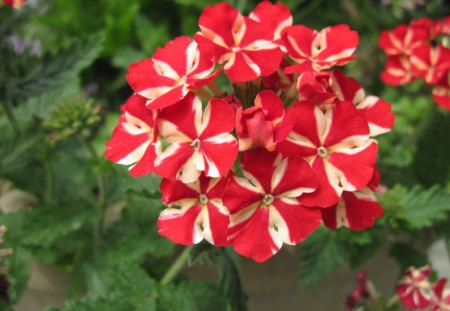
15, 3
260, 125
431, 63
195, 211
355, 210
376, 111
134, 140
359, 293
167, 77
433, 28
266, 206
441, 92
274, 17
398, 71
315, 87
336, 144
197, 142
441, 301
313, 50
414, 289
402, 39
242, 44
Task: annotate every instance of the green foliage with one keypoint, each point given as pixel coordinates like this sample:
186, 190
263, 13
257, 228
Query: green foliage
57, 69
417, 207
320, 254
407, 256
229, 279
432, 157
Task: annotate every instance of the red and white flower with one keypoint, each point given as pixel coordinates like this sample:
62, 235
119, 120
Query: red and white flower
376, 111
398, 71
441, 92
260, 125
198, 142
431, 63
274, 17
134, 140
243, 45
266, 206
414, 289
336, 144
355, 210
315, 87
15, 3
402, 39
313, 50
195, 211
171, 73
441, 301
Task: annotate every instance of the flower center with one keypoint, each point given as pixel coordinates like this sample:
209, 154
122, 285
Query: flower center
236, 49
322, 152
196, 144
268, 199
203, 199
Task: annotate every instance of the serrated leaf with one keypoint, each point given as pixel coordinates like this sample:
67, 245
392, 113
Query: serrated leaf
58, 69
423, 207
38, 106
321, 253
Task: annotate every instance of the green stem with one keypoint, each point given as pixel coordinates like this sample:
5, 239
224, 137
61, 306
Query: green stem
176, 267
101, 204
11, 117
50, 180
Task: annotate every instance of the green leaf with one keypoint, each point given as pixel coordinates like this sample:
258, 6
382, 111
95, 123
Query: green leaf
19, 267
56, 70
229, 277
39, 106
423, 207
407, 256
321, 253
432, 156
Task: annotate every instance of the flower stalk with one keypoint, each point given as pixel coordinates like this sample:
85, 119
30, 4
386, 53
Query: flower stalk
176, 267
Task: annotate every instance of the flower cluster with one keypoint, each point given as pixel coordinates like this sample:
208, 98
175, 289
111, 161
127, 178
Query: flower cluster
417, 292
419, 50
264, 163
15, 3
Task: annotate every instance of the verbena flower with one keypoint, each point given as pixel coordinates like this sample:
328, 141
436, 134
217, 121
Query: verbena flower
266, 164
414, 289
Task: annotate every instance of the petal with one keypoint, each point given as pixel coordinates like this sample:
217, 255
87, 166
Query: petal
174, 191
355, 166
275, 17
253, 236
170, 54
293, 177
167, 99
218, 118
293, 223
179, 225
258, 165
219, 152
378, 114
272, 105
241, 194
184, 118
308, 127
355, 210
218, 21
177, 163
339, 117
328, 191
218, 220
346, 88
298, 41
241, 68
337, 44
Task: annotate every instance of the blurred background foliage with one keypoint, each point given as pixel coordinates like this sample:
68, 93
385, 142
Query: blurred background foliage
62, 80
